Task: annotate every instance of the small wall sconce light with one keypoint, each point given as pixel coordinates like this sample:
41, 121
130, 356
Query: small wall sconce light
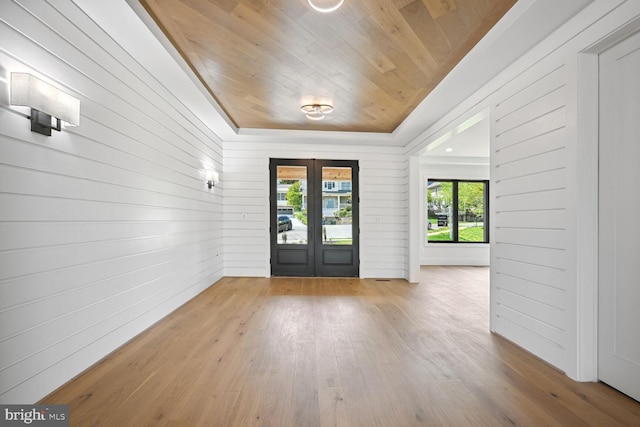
212, 178
45, 101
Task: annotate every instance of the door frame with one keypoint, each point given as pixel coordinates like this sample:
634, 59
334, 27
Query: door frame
323, 253
294, 252
322, 260
584, 363
618, 370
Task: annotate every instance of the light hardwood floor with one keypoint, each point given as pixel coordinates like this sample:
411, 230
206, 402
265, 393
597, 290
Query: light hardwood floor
336, 352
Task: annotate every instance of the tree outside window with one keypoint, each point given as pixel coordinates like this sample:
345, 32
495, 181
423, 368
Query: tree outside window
294, 196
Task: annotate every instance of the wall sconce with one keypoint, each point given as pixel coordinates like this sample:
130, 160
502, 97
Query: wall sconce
212, 178
45, 102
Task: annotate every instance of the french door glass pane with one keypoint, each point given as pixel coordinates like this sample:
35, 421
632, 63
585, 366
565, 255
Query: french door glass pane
292, 205
471, 211
439, 211
337, 216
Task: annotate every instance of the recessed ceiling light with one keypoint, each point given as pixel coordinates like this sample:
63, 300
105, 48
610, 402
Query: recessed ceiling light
448, 150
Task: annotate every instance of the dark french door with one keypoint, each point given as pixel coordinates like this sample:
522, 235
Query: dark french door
314, 217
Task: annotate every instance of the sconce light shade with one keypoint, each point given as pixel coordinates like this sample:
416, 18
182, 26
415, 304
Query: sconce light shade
212, 178
46, 101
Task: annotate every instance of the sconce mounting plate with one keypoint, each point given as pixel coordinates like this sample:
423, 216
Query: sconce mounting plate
41, 122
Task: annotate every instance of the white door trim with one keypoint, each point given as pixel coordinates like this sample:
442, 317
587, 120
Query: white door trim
415, 201
586, 361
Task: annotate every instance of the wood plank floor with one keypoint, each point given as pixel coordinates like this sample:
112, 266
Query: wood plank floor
336, 352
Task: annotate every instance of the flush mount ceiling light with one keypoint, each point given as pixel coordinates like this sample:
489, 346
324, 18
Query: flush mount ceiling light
316, 111
325, 6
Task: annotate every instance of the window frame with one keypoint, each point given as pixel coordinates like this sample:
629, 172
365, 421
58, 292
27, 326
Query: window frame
329, 185
454, 203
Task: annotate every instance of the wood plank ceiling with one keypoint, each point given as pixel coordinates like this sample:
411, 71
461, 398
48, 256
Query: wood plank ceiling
374, 61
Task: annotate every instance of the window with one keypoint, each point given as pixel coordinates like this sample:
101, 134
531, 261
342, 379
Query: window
457, 211
329, 185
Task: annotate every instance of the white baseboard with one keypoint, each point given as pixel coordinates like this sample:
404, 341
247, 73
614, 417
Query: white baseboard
455, 261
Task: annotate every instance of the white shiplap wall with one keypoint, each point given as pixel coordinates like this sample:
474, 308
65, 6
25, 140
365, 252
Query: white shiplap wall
542, 292
529, 177
104, 228
383, 205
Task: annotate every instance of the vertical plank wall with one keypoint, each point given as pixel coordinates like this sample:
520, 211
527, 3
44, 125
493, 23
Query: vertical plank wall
383, 205
104, 228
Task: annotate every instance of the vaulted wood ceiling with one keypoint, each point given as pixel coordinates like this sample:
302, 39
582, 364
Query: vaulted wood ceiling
373, 60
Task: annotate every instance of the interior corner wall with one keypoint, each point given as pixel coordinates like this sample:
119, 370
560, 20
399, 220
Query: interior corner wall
383, 205
450, 253
535, 289
104, 228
